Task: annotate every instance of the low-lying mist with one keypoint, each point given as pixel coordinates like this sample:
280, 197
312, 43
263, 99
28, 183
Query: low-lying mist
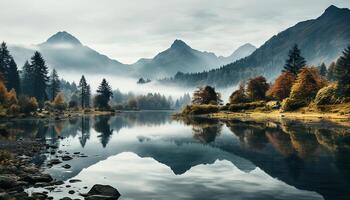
129, 84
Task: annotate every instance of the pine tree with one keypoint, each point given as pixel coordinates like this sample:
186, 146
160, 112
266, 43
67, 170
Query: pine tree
104, 94
331, 72
82, 91
295, 61
342, 71
40, 77
323, 70
88, 96
54, 87
5, 59
13, 80
27, 79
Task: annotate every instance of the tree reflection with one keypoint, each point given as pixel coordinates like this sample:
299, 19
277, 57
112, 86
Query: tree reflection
85, 130
102, 126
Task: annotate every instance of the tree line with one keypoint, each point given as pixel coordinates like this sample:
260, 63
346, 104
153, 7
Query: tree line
33, 87
297, 86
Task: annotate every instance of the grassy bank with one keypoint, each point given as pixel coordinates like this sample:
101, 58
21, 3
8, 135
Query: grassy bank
261, 112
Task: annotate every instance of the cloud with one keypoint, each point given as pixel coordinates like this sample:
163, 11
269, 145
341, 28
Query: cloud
129, 30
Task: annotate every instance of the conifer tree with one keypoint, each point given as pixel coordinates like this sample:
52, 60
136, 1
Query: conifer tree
331, 72
27, 79
13, 80
88, 96
104, 94
323, 70
40, 77
295, 61
82, 91
5, 59
54, 87
342, 71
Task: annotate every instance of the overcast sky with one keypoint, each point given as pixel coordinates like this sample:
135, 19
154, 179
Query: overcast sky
127, 30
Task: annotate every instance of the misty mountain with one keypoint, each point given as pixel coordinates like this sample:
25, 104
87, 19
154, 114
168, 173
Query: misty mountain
321, 40
66, 53
180, 57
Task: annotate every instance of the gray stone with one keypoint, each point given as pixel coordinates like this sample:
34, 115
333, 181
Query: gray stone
106, 190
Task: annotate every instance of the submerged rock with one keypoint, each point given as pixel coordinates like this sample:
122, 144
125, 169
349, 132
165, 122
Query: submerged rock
66, 166
102, 192
66, 158
37, 178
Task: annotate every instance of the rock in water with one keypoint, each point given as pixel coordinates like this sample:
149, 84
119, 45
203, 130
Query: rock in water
100, 197
102, 192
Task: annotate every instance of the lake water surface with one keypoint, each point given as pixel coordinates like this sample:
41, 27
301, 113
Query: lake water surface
148, 155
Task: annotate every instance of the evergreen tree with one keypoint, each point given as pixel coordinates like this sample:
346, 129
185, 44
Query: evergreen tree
323, 70
13, 80
5, 59
40, 77
82, 91
55, 87
27, 79
295, 61
88, 96
331, 72
342, 71
104, 94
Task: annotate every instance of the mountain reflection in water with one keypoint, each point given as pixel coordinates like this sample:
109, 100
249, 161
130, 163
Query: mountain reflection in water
291, 157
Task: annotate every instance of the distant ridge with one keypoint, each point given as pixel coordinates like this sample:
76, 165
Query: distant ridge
320, 40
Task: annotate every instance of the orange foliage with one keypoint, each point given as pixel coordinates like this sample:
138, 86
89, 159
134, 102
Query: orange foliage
282, 86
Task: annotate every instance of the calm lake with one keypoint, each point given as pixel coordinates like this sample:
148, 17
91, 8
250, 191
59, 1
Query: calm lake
148, 155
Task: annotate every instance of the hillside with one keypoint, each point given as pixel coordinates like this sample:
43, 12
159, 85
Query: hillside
321, 40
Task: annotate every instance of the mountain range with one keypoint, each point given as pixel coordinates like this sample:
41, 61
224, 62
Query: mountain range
64, 52
321, 40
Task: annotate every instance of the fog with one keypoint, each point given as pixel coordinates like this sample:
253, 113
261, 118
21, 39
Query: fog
129, 84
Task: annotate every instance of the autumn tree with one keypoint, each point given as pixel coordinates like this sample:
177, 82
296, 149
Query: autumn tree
282, 86
304, 89
342, 71
59, 102
206, 95
256, 88
239, 96
295, 61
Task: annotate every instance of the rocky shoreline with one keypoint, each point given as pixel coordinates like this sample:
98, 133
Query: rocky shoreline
22, 163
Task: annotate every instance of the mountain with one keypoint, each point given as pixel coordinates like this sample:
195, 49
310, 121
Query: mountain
65, 52
241, 52
180, 57
320, 40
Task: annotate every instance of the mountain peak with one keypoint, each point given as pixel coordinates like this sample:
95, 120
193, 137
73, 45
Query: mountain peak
334, 11
179, 44
63, 37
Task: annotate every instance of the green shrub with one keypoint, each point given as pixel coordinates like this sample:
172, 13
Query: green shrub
330, 95
200, 109
246, 106
290, 104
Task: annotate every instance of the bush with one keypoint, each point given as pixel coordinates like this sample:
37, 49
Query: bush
59, 103
13, 110
27, 104
257, 88
329, 95
200, 109
246, 106
239, 95
304, 90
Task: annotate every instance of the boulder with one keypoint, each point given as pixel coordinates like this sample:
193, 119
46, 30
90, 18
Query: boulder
100, 197
8, 181
66, 158
37, 178
107, 191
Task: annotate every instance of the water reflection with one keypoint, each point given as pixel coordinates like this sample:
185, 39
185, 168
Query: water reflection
310, 157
